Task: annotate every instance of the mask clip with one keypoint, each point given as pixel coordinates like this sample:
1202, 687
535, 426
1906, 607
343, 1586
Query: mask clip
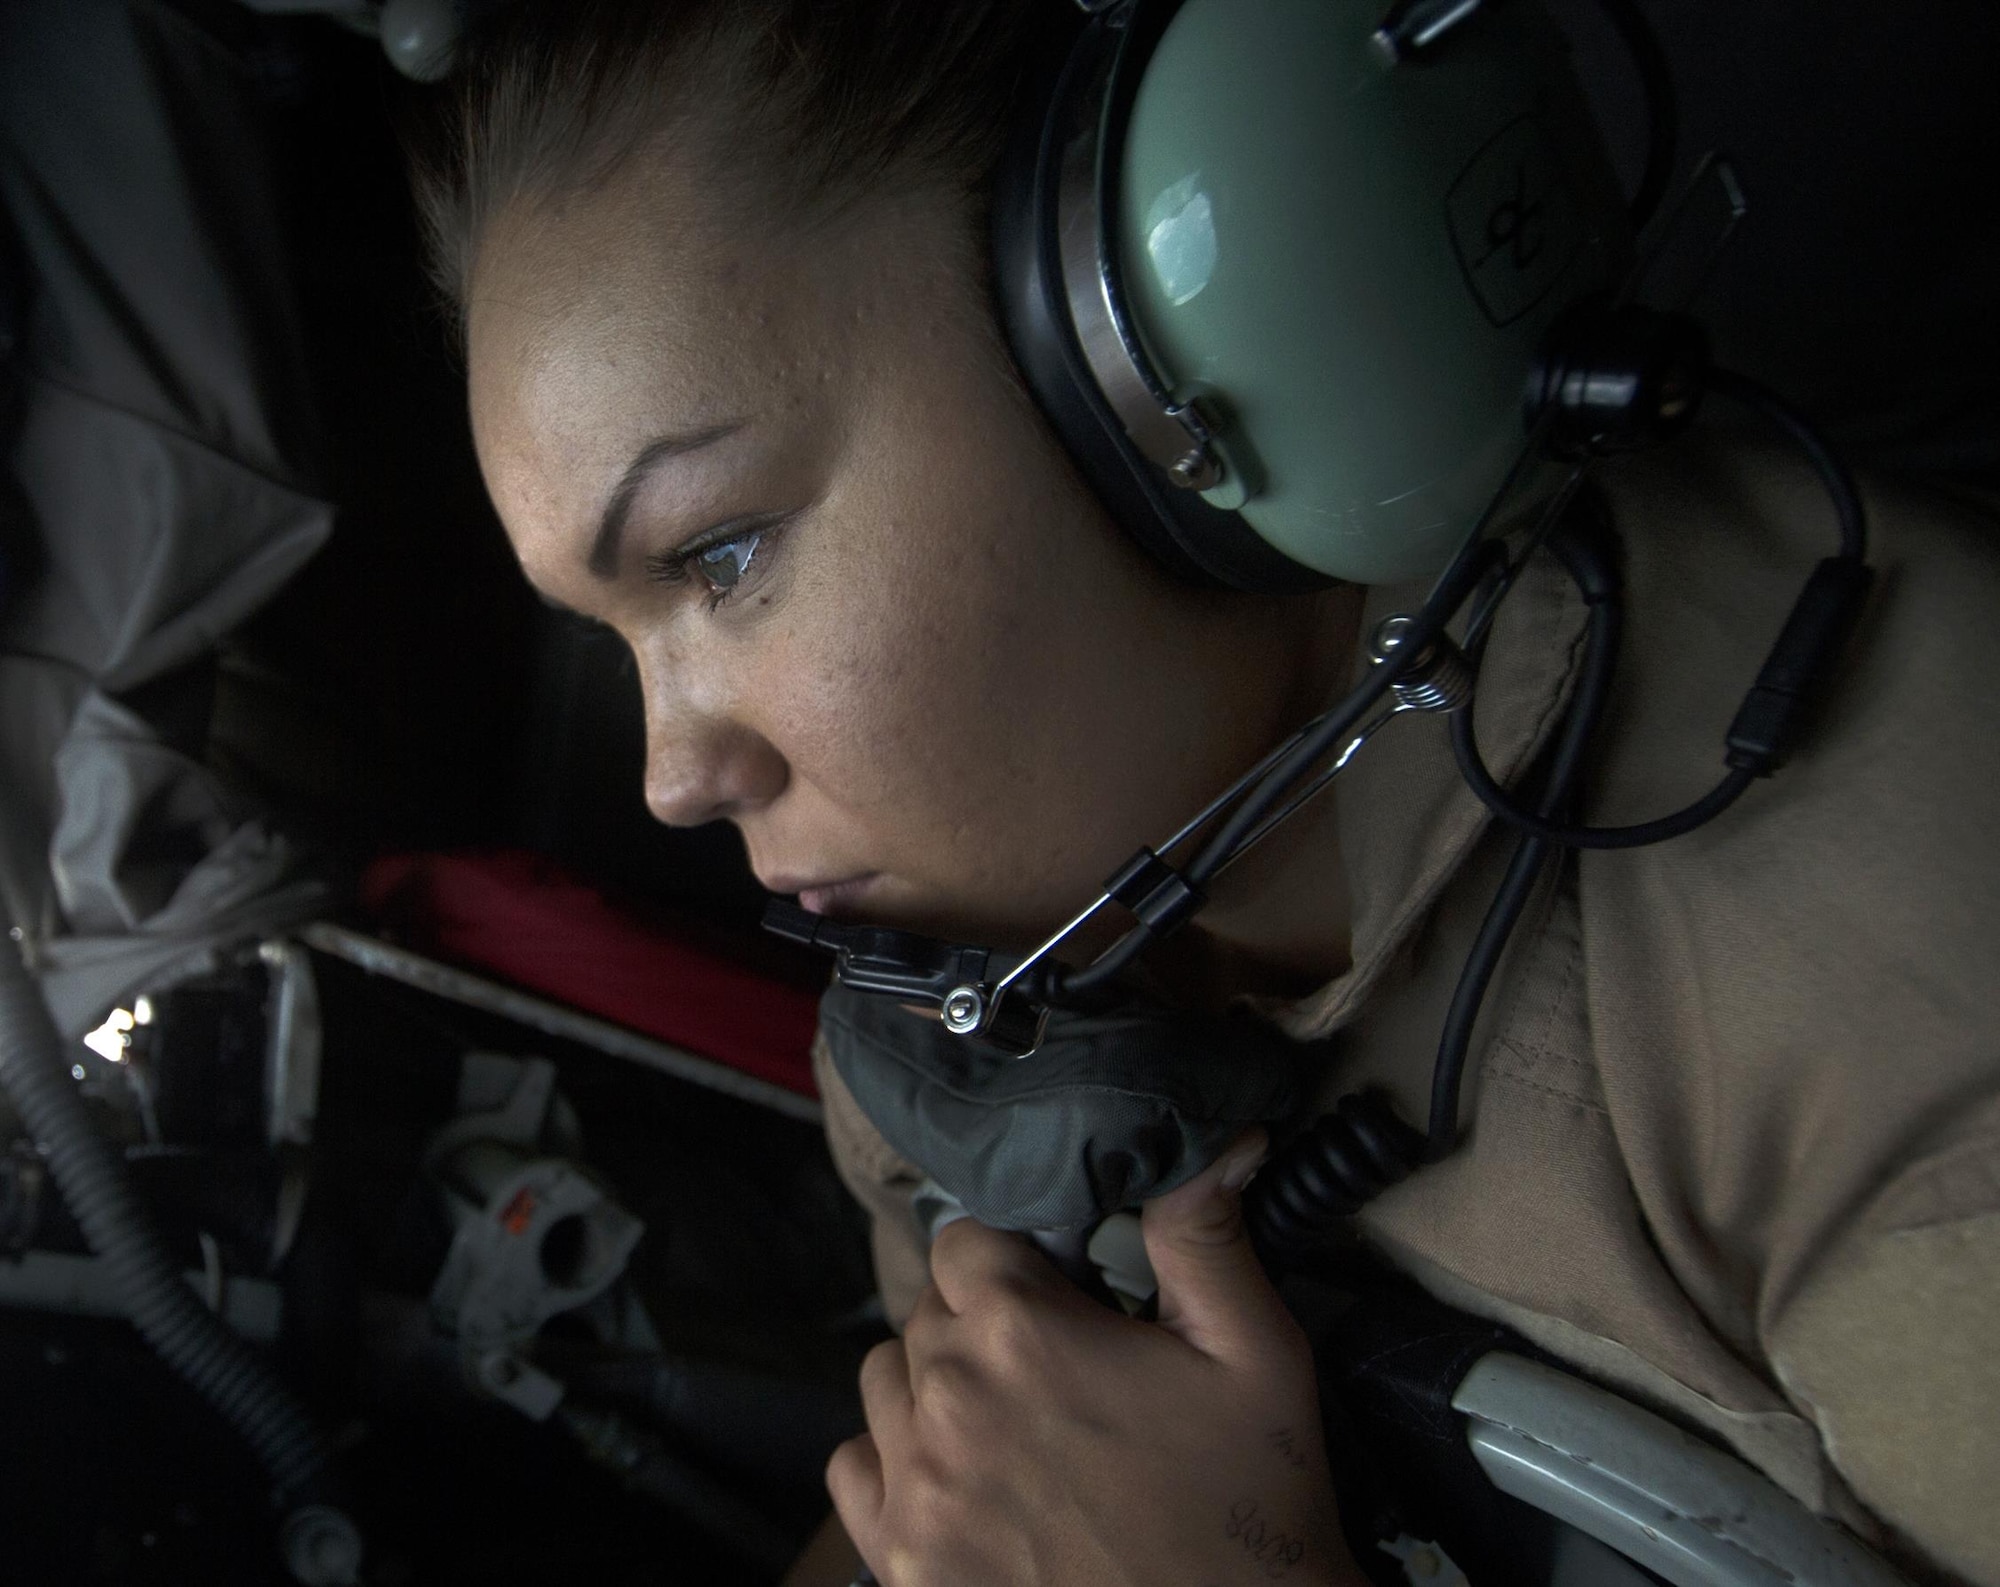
949, 977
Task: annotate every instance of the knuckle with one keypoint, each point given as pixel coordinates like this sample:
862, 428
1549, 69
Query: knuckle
953, 1391
1011, 1337
961, 1245
930, 1315
926, 1509
937, 1515
883, 1369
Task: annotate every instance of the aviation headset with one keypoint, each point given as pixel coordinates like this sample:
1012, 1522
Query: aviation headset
1309, 292
1197, 182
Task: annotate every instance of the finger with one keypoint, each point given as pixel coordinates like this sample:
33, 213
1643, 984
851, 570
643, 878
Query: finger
969, 1260
1213, 1291
928, 1326
885, 1392
854, 1483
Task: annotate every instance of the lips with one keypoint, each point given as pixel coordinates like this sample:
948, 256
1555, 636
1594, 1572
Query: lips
825, 897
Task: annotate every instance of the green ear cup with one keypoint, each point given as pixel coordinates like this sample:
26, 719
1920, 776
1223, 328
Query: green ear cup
1349, 264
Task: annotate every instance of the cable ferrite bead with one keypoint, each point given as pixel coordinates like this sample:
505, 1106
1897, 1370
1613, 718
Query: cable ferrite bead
1327, 1173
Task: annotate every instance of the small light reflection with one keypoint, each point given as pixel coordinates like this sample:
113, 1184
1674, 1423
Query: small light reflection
111, 1038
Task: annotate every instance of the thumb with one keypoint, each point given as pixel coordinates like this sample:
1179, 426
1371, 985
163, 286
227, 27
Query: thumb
1213, 1290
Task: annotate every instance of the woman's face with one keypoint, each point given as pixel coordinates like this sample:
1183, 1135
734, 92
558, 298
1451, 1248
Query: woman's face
879, 623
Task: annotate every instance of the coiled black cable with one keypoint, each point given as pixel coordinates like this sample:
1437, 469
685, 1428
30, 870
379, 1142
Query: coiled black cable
1341, 1161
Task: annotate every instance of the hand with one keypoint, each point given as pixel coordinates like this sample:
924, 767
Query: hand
1020, 1433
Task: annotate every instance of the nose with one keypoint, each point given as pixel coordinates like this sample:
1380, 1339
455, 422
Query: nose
706, 767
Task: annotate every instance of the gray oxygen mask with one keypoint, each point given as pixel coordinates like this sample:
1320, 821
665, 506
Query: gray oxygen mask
1109, 1111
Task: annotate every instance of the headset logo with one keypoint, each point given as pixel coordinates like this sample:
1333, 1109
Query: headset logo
1514, 226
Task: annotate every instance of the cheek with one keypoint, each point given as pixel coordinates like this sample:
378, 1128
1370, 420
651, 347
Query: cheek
880, 683
940, 690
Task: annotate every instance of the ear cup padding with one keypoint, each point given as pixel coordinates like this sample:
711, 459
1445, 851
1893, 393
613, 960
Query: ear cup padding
1183, 532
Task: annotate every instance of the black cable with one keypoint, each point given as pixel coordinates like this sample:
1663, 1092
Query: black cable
1758, 740
1465, 574
1595, 574
1455, 1039
1346, 1158
1769, 720
1325, 1174
1662, 115
1833, 473
1638, 836
1480, 557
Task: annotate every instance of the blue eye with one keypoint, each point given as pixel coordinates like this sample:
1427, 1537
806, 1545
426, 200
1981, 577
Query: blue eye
723, 564
726, 563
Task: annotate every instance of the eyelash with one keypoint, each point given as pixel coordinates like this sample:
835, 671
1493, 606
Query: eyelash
678, 566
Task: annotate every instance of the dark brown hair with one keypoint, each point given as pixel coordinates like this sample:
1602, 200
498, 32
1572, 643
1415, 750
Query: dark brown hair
816, 100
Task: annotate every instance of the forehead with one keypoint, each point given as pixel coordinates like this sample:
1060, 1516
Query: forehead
661, 303
635, 309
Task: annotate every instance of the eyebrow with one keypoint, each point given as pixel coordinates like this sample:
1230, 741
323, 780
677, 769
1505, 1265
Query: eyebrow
603, 558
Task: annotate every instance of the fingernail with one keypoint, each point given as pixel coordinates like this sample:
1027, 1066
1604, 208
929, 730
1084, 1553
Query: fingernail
1243, 1161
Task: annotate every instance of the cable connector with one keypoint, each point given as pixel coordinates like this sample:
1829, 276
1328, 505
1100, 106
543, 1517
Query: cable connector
1773, 714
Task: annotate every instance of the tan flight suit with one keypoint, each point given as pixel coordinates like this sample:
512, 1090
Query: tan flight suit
1732, 1134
